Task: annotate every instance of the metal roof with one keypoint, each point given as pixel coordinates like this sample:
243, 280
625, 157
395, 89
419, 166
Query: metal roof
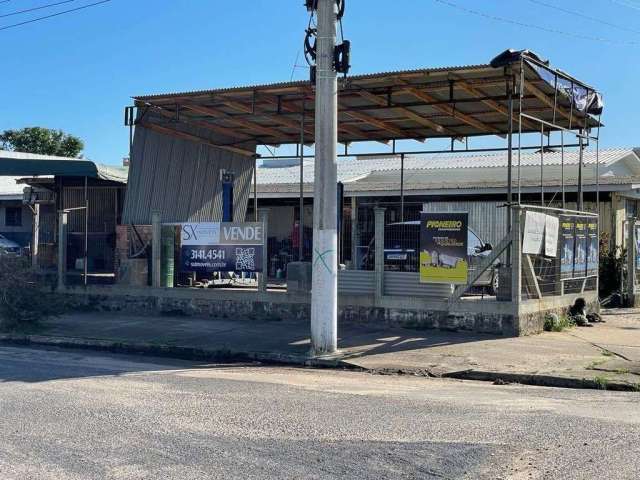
616, 166
30, 164
415, 104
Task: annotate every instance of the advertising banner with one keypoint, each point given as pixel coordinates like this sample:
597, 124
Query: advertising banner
221, 247
592, 248
567, 247
443, 248
580, 256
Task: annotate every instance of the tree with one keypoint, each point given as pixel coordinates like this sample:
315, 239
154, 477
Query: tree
44, 141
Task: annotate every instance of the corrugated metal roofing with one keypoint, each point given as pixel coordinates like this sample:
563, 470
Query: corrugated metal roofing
303, 83
9, 188
442, 102
32, 164
351, 170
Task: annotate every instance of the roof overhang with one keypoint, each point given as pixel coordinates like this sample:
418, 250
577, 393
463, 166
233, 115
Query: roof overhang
453, 102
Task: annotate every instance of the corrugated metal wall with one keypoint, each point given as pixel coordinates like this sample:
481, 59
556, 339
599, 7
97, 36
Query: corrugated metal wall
485, 218
489, 219
356, 282
181, 179
408, 284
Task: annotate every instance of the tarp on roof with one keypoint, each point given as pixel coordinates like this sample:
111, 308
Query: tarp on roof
30, 164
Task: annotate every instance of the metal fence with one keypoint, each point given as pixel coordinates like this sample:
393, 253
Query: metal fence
567, 263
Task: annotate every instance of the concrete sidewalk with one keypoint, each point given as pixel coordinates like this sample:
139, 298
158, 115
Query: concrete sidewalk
604, 356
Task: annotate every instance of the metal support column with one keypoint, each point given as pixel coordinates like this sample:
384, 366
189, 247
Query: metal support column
301, 219
402, 188
580, 165
378, 213
324, 296
255, 189
156, 233
516, 257
262, 278
85, 263
355, 237
62, 248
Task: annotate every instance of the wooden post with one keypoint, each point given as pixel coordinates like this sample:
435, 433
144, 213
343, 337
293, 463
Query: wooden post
35, 236
631, 259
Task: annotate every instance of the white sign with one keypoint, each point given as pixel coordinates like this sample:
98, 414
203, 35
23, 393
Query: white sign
200, 233
552, 225
225, 233
533, 232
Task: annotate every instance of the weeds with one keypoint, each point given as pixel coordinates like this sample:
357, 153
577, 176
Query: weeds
557, 323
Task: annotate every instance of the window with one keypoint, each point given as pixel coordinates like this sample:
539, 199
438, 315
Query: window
13, 216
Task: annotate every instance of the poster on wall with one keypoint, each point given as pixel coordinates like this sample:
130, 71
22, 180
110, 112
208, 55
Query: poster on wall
551, 227
592, 248
567, 247
443, 248
637, 247
534, 224
221, 247
580, 256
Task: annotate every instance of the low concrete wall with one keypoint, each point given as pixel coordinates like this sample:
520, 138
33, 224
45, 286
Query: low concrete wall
483, 316
533, 312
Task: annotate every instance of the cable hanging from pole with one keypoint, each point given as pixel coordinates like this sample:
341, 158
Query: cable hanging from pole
342, 51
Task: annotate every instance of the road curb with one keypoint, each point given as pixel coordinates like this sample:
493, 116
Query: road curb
228, 355
519, 378
174, 351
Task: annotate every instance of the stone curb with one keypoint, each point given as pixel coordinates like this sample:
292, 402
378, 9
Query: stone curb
519, 378
227, 355
174, 351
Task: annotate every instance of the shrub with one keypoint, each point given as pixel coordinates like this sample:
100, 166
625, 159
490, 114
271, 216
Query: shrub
23, 300
611, 268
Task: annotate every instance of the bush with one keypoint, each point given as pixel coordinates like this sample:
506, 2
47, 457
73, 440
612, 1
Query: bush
23, 300
611, 268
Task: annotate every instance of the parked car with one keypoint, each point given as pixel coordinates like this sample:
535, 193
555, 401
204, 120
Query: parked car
402, 253
9, 247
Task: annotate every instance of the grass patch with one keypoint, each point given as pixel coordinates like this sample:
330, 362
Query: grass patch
601, 381
557, 323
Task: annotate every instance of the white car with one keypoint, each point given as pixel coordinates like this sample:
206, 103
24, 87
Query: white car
9, 247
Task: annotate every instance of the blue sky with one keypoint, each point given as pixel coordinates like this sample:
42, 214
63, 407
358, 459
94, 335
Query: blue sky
78, 71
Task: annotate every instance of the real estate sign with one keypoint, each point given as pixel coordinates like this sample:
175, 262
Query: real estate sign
221, 247
443, 248
567, 247
592, 248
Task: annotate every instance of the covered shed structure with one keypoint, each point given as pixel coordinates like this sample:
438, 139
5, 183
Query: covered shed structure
183, 143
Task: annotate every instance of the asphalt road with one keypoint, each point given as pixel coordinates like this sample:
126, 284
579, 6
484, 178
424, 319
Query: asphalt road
78, 415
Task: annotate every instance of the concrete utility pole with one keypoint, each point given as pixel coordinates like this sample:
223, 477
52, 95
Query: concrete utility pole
324, 295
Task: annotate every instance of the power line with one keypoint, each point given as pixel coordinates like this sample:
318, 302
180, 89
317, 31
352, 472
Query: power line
582, 15
6, 27
536, 27
35, 8
626, 4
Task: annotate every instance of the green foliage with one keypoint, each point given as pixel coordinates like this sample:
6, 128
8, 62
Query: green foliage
601, 382
42, 141
24, 301
557, 323
611, 267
